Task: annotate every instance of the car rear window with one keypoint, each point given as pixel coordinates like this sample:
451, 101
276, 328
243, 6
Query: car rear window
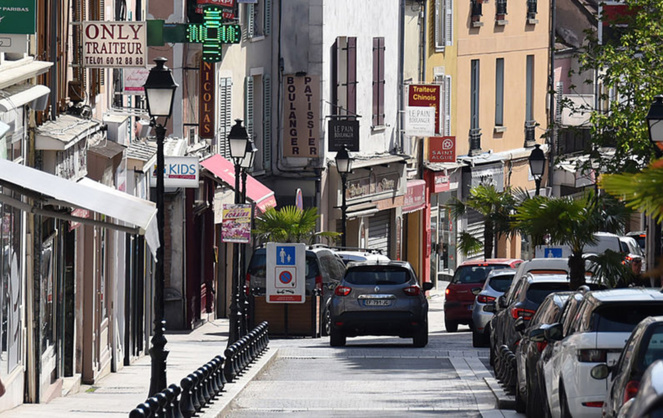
537, 292
501, 283
620, 317
369, 275
474, 274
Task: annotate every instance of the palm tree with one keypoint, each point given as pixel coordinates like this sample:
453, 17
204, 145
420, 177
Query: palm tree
494, 206
290, 224
640, 191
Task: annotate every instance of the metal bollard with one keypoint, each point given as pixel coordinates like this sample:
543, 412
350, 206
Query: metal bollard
154, 406
198, 398
222, 376
173, 392
229, 369
140, 411
186, 402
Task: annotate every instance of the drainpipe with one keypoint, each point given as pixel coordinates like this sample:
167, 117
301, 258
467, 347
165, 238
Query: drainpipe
401, 65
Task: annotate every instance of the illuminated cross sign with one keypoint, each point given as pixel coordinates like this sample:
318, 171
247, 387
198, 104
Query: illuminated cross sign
213, 34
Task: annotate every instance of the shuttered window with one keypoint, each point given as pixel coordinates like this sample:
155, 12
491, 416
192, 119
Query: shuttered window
443, 24
258, 19
378, 81
224, 118
474, 92
267, 122
248, 106
499, 92
344, 78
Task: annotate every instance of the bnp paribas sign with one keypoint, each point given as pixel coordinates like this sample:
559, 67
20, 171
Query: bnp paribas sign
18, 16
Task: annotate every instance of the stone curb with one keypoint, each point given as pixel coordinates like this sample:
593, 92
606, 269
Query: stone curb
504, 400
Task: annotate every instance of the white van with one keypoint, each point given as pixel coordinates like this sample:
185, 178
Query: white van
604, 241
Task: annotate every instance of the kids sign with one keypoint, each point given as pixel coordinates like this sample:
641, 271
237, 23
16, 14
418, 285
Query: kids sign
114, 44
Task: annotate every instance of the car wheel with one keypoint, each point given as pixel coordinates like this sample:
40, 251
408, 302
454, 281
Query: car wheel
420, 339
563, 402
326, 322
336, 338
451, 326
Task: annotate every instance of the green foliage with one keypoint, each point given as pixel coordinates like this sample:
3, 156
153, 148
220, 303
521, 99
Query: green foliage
640, 191
608, 267
290, 224
468, 244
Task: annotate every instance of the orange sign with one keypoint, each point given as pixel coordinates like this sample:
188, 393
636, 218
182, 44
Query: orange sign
442, 149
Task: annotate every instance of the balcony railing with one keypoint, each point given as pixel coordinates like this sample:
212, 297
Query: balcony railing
476, 12
530, 140
475, 141
531, 9
500, 9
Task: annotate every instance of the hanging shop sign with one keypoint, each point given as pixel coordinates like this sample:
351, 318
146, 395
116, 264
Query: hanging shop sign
18, 16
426, 95
301, 136
206, 100
343, 133
178, 172
236, 223
419, 121
442, 149
114, 44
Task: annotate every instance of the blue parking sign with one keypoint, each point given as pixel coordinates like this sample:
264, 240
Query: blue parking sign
553, 253
285, 256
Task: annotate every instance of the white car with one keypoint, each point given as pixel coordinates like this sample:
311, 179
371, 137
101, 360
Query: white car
362, 255
596, 334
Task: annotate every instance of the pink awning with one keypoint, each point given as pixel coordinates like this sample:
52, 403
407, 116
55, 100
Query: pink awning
262, 195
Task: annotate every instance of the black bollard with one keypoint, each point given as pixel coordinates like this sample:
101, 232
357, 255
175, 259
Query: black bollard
186, 402
222, 375
229, 368
153, 403
199, 398
140, 411
173, 392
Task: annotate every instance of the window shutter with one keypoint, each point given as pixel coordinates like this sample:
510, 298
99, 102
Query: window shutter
439, 27
448, 22
248, 103
225, 122
250, 20
447, 105
352, 76
267, 123
335, 77
376, 81
268, 17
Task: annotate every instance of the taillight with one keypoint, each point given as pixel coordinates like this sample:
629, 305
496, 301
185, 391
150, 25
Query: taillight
522, 313
342, 291
485, 299
592, 356
595, 404
318, 282
541, 345
412, 290
447, 291
247, 283
631, 390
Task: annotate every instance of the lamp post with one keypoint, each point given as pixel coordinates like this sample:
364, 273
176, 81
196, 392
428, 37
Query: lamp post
237, 140
537, 163
159, 91
343, 166
246, 164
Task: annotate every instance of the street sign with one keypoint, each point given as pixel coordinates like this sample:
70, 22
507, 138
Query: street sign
286, 272
552, 253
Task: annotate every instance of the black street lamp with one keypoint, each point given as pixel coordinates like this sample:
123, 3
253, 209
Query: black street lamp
537, 163
247, 163
160, 92
655, 123
237, 140
344, 167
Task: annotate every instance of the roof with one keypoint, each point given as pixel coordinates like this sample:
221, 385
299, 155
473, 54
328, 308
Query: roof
487, 261
634, 294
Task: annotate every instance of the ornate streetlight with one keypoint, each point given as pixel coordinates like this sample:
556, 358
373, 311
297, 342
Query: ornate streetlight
344, 167
160, 93
247, 163
238, 140
537, 164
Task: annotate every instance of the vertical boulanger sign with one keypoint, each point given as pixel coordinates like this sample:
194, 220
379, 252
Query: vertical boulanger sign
426, 95
18, 16
301, 136
206, 101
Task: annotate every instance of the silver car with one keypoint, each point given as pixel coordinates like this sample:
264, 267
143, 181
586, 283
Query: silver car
378, 298
497, 282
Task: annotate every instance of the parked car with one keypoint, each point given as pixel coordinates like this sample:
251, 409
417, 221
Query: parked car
604, 241
602, 324
361, 255
497, 282
632, 252
640, 237
324, 271
643, 348
376, 298
466, 283
529, 350
648, 403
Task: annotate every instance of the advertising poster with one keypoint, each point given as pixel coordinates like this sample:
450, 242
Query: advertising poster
236, 223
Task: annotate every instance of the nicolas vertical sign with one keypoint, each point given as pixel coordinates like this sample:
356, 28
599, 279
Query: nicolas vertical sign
206, 100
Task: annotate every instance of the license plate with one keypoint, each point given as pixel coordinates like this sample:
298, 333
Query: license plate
470, 307
377, 302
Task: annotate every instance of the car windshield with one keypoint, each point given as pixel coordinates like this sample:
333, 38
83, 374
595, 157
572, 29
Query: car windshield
474, 274
501, 283
370, 275
537, 292
622, 317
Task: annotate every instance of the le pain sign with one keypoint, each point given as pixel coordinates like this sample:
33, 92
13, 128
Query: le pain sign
442, 149
206, 100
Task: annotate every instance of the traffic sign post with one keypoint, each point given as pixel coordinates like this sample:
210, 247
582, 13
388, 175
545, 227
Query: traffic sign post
286, 273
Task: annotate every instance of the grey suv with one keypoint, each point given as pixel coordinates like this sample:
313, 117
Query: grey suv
324, 270
378, 298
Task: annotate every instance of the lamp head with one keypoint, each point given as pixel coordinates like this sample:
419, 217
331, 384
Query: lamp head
237, 140
160, 89
343, 161
537, 161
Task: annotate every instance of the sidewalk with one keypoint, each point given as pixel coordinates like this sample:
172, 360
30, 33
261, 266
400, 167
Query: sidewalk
118, 393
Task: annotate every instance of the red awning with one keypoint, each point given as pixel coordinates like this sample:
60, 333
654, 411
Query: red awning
262, 195
415, 198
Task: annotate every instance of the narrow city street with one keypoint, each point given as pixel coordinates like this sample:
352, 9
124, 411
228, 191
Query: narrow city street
374, 376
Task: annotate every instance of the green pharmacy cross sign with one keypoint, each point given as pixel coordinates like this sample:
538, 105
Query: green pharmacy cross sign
213, 34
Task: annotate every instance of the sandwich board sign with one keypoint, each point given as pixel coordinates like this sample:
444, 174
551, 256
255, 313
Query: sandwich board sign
286, 272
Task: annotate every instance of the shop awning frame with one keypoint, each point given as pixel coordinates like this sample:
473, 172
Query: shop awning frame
130, 214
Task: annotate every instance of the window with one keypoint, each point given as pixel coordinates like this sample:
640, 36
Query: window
445, 111
378, 81
530, 123
443, 24
344, 76
257, 101
499, 92
476, 13
224, 117
531, 10
258, 19
475, 134
500, 9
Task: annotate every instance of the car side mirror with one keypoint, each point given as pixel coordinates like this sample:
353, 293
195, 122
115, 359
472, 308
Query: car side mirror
489, 307
600, 371
428, 286
501, 302
554, 332
519, 325
537, 335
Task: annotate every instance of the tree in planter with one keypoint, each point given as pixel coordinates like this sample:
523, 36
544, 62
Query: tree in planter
290, 224
494, 206
572, 222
